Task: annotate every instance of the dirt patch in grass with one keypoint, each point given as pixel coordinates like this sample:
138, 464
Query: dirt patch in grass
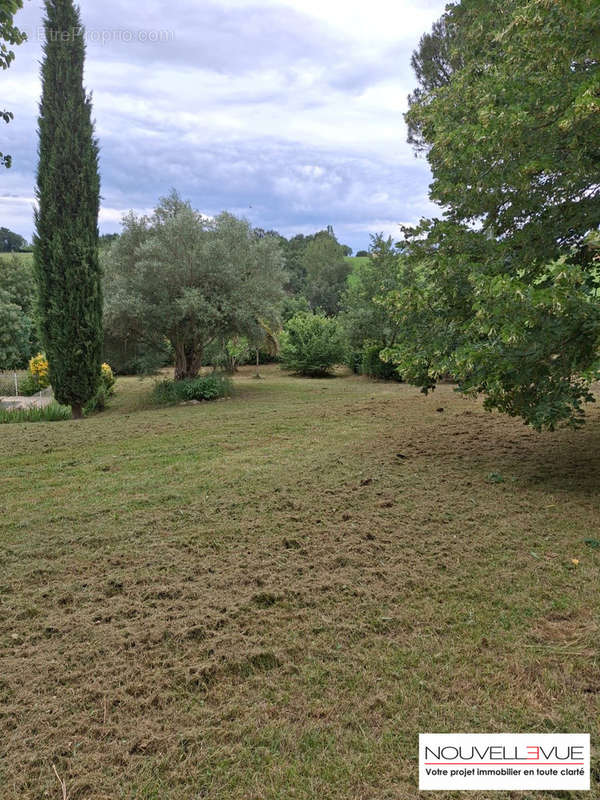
271, 597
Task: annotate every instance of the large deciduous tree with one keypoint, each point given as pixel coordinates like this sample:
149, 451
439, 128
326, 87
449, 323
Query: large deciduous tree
366, 318
326, 270
180, 277
15, 334
502, 292
509, 117
11, 242
18, 301
68, 191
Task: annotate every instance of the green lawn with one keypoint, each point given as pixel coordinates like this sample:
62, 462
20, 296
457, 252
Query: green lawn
24, 256
269, 597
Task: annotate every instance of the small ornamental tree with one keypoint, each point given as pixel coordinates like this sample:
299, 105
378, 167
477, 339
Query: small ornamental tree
66, 259
312, 345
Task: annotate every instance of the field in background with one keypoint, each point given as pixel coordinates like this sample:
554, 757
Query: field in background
356, 262
269, 597
26, 256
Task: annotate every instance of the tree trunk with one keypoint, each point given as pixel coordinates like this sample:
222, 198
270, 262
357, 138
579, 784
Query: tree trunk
188, 362
180, 362
76, 411
195, 363
257, 363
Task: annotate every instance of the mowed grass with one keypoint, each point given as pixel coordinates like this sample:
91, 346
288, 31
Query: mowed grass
271, 596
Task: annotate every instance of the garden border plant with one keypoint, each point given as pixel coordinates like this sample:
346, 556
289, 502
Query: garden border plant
51, 413
312, 345
203, 388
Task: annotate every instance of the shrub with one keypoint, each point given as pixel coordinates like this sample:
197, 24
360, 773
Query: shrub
98, 402
52, 413
106, 390
353, 360
312, 344
208, 387
39, 371
29, 386
108, 379
373, 366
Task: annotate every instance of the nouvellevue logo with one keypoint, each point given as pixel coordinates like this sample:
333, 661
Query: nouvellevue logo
501, 762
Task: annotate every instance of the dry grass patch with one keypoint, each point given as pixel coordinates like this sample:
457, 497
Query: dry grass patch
271, 596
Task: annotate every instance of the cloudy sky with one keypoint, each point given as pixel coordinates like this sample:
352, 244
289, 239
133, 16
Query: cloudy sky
287, 112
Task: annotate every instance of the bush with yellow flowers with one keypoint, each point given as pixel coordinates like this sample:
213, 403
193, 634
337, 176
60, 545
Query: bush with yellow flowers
105, 391
39, 370
39, 378
108, 379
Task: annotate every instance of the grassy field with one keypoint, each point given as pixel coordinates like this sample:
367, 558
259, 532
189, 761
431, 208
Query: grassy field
269, 597
357, 259
23, 256
356, 263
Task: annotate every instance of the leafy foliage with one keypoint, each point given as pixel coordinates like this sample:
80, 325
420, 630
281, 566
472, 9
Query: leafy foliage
327, 271
11, 242
312, 344
229, 354
502, 294
208, 387
39, 370
366, 318
104, 393
50, 413
108, 378
181, 278
15, 333
510, 120
369, 325
374, 366
292, 305
520, 342
17, 309
10, 35
68, 190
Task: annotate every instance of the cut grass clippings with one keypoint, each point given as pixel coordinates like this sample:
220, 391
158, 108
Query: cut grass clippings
271, 597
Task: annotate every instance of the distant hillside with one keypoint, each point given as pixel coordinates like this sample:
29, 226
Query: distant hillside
355, 261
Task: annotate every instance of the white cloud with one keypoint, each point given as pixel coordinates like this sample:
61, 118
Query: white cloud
290, 109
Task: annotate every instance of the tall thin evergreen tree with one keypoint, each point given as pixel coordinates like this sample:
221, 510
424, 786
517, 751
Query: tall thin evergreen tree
67, 263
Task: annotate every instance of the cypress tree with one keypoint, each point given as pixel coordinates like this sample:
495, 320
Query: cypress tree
67, 266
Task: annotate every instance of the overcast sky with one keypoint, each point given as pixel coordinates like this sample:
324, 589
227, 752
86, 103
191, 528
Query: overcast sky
287, 112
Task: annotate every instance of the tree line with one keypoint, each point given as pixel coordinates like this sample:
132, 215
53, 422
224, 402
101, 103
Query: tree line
499, 292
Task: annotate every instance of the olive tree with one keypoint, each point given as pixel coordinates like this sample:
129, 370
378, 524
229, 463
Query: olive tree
181, 277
